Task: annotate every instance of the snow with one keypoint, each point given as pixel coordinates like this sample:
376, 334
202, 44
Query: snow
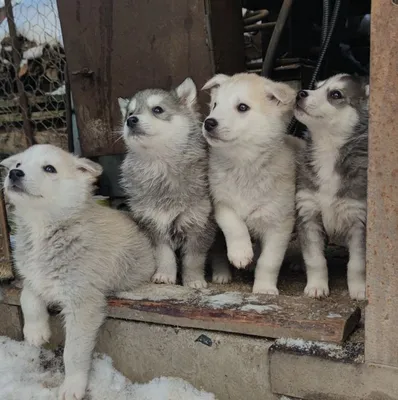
29, 373
222, 300
260, 308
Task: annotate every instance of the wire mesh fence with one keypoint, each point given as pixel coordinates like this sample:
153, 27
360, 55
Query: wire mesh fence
32, 75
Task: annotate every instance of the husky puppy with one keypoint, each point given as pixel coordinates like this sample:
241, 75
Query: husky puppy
70, 251
165, 177
332, 179
252, 170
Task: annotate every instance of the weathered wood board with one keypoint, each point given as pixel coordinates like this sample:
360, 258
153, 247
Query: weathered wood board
115, 48
235, 312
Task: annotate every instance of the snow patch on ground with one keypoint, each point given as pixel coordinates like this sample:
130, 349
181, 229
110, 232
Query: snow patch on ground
223, 300
260, 308
29, 373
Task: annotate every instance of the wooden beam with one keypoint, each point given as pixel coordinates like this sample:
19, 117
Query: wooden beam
235, 312
381, 334
6, 272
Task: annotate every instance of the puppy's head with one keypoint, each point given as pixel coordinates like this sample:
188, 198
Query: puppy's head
246, 108
337, 103
46, 178
156, 116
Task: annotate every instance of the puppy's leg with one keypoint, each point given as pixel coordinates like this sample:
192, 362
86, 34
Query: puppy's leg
166, 265
312, 243
81, 326
239, 245
356, 263
274, 245
219, 261
36, 328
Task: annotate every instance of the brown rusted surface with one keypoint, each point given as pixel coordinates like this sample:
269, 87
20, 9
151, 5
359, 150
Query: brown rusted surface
5, 252
127, 46
235, 312
381, 334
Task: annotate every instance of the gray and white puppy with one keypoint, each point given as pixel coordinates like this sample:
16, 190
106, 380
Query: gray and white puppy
70, 251
165, 177
332, 179
252, 170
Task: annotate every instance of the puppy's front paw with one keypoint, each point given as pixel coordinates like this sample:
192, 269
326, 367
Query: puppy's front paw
317, 290
196, 284
357, 291
265, 288
240, 255
222, 277
160, 277
73, 388
37, 333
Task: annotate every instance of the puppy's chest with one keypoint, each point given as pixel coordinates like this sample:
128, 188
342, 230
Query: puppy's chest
48, 264
338, 212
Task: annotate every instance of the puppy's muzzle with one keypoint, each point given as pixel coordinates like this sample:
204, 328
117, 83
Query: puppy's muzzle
302, 94
16, 175
132, 121
210, 124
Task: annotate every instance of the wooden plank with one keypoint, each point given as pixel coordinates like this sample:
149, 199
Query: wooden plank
127, 46
5, 252
35, 116
381, 334
235, 312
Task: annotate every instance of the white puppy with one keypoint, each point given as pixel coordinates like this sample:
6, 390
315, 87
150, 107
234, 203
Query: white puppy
70, 251
252, 170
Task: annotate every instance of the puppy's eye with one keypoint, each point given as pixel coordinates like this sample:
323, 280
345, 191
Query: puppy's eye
50, 169
215, 104
157, 110
243, 107
130, 114
336, 94
18, 165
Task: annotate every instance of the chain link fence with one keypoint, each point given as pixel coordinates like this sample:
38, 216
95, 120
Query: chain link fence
32, 75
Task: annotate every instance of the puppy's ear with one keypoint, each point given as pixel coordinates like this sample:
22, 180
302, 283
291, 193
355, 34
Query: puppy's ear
88, 167
283, 93
187, 92
217, 80
10, 161
123, 103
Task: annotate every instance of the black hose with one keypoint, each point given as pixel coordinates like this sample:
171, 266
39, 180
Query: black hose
325, 46
325, 21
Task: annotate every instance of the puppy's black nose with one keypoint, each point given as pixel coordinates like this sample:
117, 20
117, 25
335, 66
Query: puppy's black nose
131, 121
16, 174
210, 124
301, 94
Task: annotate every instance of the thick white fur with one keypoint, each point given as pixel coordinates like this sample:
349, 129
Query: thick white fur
252, 171
72, 252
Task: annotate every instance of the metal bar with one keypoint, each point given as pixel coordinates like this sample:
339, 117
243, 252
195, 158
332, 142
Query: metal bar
255, 17
259, 27
16, 55
269, 58
381, 334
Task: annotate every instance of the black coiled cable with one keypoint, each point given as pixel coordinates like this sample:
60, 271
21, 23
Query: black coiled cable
327, 34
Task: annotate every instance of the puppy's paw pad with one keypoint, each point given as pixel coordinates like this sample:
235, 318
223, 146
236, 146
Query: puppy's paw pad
263, 288
317, 291
222, 278
73, 388
241, 256
36, 334
196, 284
163, 278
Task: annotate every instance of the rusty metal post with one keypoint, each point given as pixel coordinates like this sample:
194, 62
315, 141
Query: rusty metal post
16, 56
381, 339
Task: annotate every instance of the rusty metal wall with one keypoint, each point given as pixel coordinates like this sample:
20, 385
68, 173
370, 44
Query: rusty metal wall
381, 340
115, 48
